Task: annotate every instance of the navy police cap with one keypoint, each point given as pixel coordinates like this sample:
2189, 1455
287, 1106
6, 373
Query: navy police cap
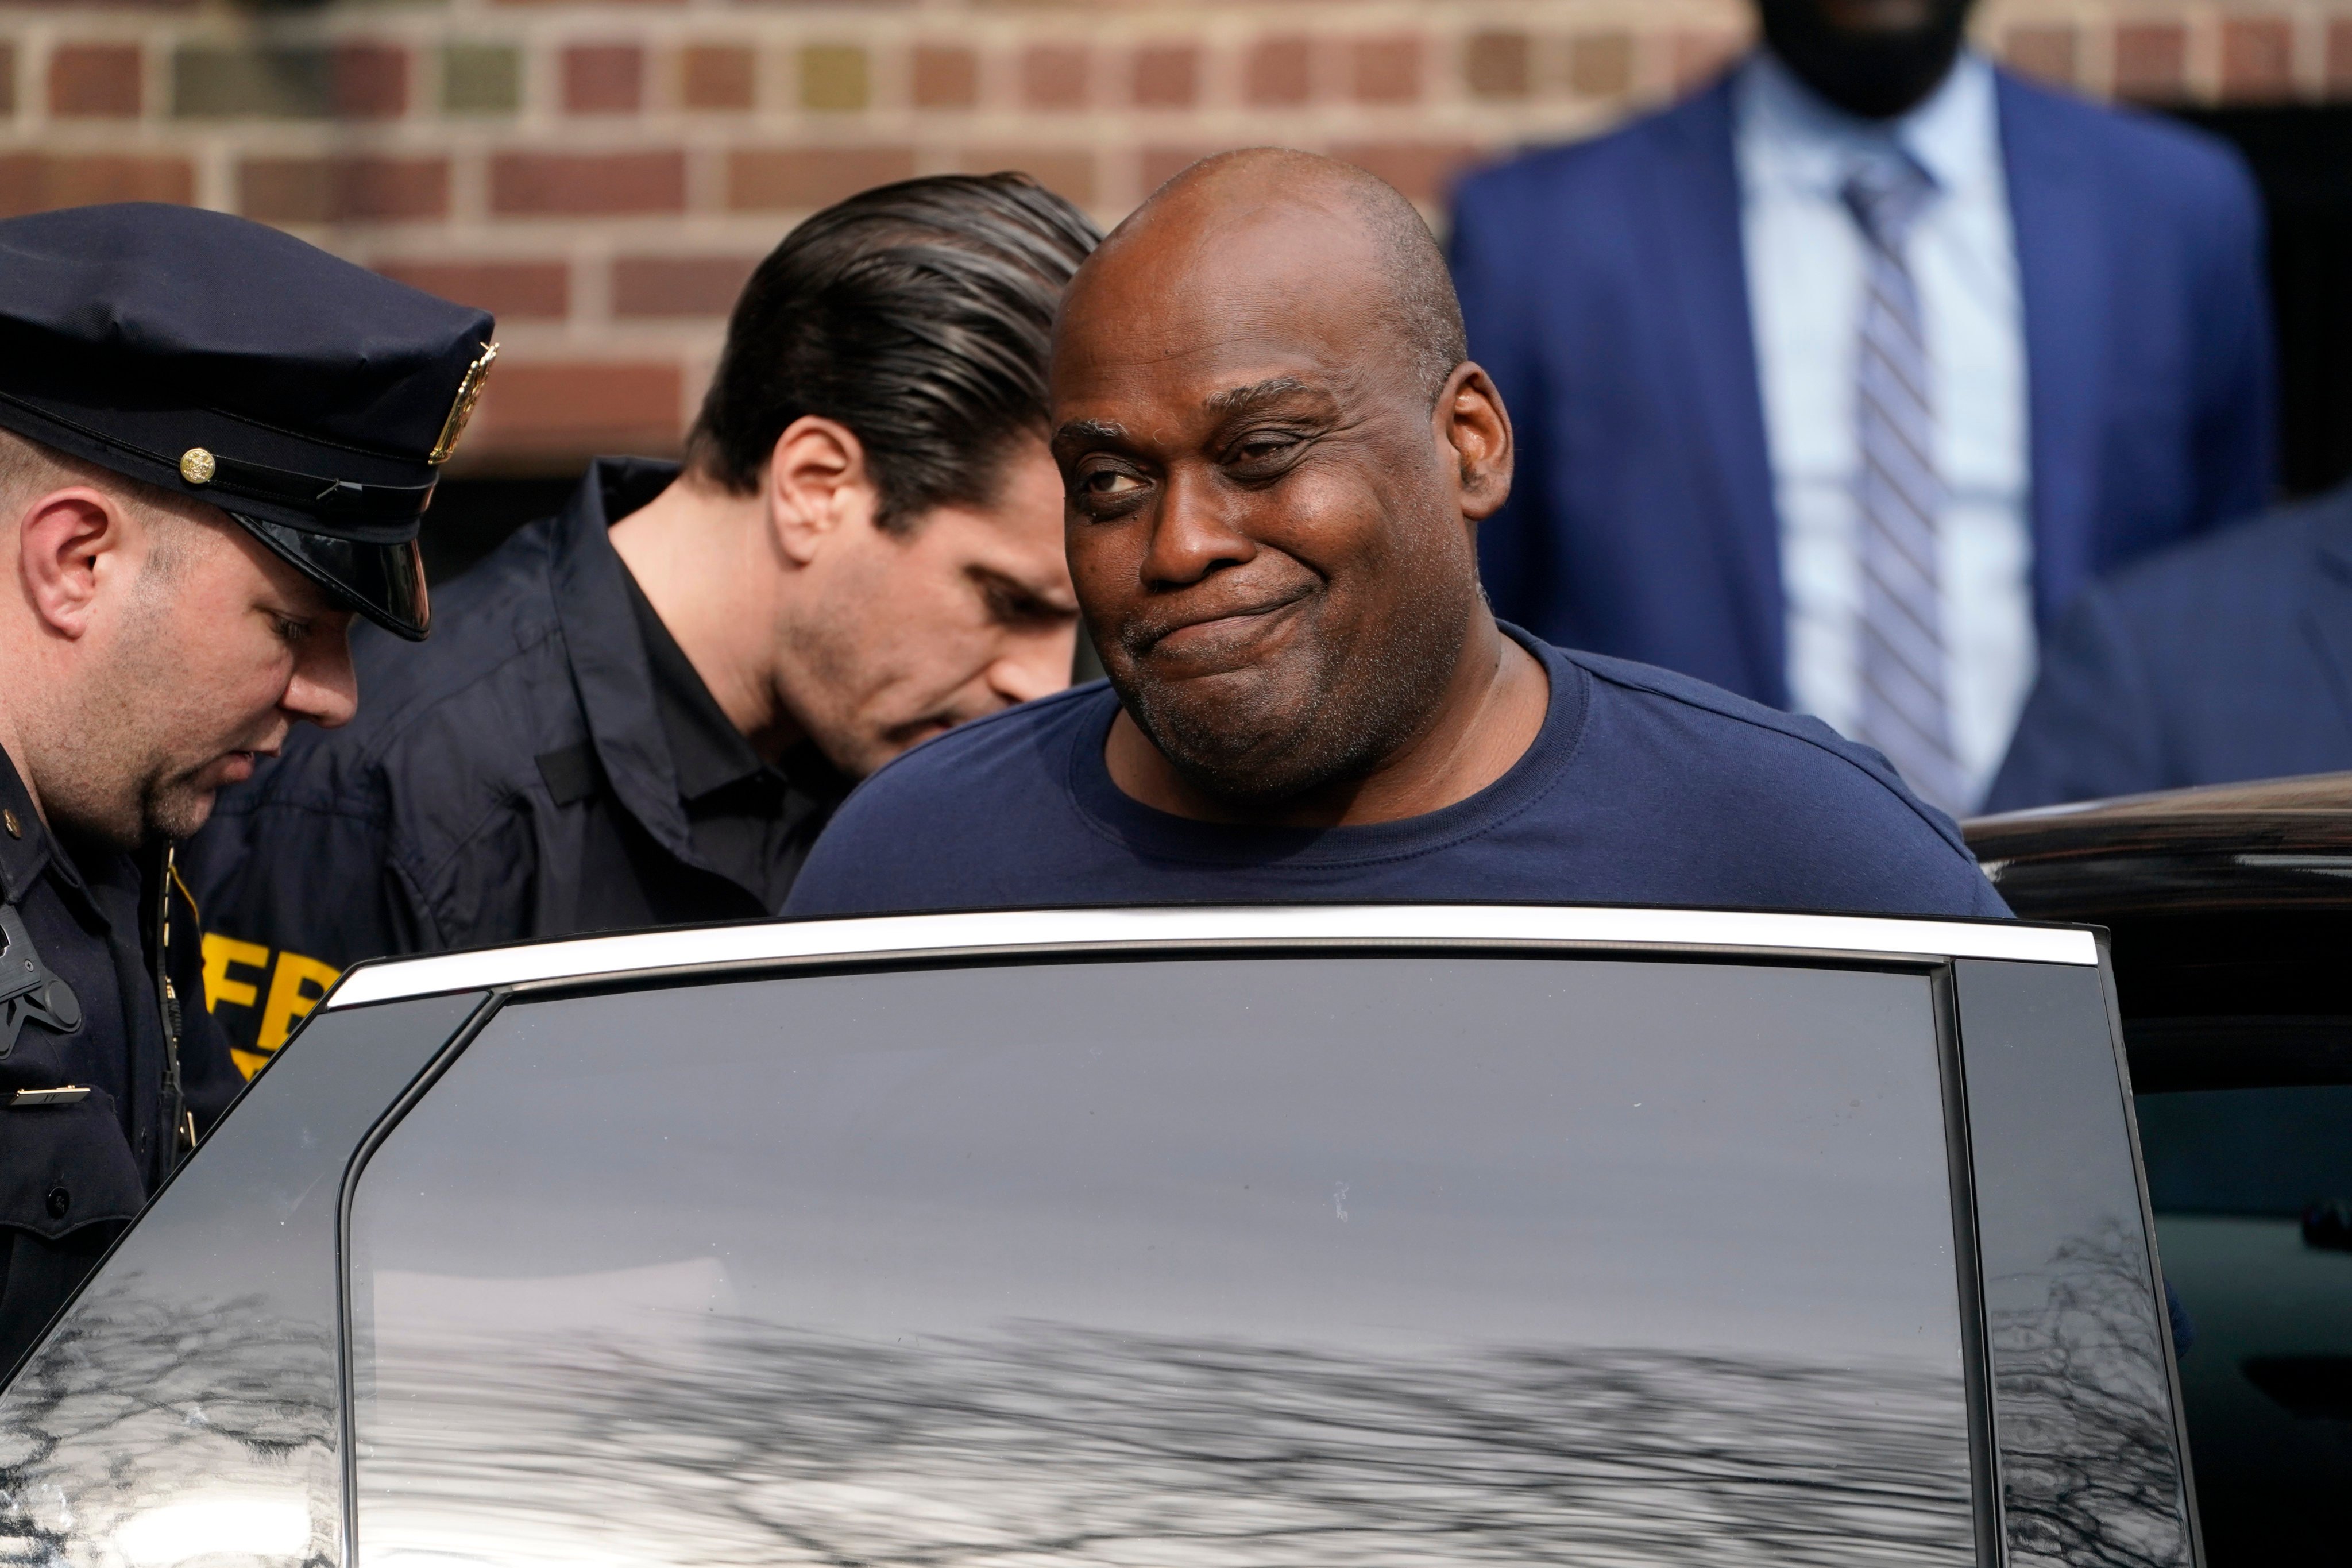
311, 399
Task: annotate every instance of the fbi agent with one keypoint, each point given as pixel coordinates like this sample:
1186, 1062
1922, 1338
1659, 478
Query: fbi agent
215, 444
643, 711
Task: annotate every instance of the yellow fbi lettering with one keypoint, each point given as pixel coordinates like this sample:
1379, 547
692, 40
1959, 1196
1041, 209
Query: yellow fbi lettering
296, 984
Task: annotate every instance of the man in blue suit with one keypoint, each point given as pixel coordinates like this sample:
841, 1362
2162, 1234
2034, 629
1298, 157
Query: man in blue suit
1837, 381
2226, 658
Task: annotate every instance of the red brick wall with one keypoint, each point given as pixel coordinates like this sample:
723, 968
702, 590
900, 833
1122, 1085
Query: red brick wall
602, 173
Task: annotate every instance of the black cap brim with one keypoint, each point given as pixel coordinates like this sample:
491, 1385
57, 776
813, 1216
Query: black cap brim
385, 583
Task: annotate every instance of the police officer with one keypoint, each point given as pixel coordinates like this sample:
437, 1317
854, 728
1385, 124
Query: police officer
215, 444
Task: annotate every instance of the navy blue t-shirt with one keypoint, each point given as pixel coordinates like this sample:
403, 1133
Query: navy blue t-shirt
1642, 787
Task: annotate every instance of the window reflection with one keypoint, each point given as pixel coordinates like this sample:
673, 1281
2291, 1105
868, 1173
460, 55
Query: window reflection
1055, 1442
2087, 1463
1292, 1260
246, 1526
156, 1430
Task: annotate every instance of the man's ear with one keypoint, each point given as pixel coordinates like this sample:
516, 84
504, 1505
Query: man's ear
70, 544
818, 486
1470, 418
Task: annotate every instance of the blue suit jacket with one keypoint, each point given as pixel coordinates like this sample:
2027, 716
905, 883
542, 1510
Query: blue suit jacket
2227, 659
1604, 289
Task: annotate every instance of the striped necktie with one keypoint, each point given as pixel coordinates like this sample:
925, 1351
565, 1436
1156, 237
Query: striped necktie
1905, 712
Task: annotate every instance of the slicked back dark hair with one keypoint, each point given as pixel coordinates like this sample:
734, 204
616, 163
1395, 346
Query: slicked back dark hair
917, 315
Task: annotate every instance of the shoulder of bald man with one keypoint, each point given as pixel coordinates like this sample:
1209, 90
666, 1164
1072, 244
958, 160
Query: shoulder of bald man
1827, 817
1014, 754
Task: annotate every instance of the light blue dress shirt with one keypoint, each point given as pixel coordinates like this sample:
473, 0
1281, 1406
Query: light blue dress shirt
1805, 284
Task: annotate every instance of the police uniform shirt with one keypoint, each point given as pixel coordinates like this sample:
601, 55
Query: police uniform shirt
753, 823
310, 402
83, 916
529, 773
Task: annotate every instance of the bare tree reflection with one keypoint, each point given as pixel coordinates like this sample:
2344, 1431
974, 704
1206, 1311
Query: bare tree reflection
1096, 1448
139, 1399
2090, 1473
744, 1444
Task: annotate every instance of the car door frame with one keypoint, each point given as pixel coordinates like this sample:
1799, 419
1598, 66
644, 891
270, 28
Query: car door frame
1941, 950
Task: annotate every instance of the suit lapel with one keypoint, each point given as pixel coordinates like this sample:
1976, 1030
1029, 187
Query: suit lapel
2327, 613
2062, 269
1693, 212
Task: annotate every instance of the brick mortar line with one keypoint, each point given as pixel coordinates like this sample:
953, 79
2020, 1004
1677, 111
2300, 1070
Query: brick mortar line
1172, 24
603, 136
2202, 28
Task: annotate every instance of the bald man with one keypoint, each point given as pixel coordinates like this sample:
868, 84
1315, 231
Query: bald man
1276, 457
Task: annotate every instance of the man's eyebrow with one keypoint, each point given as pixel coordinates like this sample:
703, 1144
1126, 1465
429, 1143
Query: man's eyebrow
1242, 399
1089, 431
1051, 601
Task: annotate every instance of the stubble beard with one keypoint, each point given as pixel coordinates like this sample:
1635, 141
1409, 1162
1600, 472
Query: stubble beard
129, 802
173, 805
114, 777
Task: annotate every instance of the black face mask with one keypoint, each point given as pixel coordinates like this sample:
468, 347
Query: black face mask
1876, 75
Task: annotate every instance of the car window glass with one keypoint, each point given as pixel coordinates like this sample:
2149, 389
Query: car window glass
1233, 1261
186, 1404
2251, 1188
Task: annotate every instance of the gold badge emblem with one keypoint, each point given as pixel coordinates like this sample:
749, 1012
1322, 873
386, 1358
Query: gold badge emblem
469, 391
196, 466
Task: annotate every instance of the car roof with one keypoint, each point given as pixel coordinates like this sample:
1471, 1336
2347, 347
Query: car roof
683, 951
2275, 841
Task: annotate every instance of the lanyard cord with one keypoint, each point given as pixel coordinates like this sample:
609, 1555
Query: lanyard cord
167, 1002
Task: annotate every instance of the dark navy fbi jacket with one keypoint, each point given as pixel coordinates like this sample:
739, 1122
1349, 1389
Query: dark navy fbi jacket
1605, 288
72, 1175
510, 779
1641, 787
2226, 659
